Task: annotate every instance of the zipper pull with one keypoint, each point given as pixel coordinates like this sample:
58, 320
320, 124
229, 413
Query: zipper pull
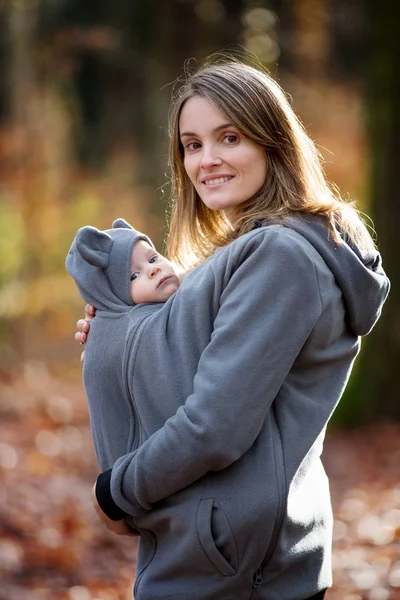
257, 579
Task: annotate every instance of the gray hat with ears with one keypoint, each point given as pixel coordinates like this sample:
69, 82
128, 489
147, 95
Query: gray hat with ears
100, 263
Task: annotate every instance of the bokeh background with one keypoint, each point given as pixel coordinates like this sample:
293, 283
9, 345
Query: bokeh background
84, 93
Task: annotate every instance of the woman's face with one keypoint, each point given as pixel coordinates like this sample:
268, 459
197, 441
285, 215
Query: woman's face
225, 167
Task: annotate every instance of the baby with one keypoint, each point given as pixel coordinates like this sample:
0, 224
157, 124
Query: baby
120, 272
102, 258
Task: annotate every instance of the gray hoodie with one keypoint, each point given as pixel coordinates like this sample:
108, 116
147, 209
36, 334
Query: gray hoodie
209, 412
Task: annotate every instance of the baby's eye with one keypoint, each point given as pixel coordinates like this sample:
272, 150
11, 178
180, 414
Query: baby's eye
230, 138
153, 259
134, 276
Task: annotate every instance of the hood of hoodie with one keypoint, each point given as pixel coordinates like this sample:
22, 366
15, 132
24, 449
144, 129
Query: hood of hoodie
100, 264
360, 276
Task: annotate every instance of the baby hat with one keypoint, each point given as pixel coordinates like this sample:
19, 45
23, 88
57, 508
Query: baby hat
100, 263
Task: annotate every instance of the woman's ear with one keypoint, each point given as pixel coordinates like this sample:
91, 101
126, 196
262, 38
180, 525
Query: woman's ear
121, 224
94, 246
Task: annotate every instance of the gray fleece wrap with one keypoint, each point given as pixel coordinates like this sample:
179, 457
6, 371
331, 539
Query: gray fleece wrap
211, 411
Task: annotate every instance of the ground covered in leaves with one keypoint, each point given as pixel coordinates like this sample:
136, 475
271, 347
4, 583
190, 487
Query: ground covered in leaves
53, 548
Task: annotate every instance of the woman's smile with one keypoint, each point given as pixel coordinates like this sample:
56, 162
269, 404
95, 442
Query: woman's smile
225, 167
215, 180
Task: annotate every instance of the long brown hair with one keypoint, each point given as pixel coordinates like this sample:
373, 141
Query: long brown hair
295, 183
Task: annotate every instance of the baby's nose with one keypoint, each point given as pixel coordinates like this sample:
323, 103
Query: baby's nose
154, 270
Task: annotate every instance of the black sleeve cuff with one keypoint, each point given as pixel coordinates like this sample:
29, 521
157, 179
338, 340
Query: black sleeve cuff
104, 498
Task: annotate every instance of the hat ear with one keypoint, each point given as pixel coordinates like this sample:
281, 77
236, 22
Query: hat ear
121, 224
94, 246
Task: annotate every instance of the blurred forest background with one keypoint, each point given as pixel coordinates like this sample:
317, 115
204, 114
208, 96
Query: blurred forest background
84, 94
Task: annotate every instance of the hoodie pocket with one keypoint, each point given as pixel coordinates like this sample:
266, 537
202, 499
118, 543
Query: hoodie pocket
216, 537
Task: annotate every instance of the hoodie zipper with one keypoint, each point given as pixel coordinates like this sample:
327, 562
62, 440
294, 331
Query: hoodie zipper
138, 426
281, 485
137, 432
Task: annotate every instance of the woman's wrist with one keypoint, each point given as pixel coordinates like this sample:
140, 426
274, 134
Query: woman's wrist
105, 499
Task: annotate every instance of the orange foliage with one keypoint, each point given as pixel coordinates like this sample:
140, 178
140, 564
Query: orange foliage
53, 547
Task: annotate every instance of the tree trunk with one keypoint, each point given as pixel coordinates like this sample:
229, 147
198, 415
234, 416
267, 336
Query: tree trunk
377, 373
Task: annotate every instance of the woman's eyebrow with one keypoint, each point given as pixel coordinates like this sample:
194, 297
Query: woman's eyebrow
192, 133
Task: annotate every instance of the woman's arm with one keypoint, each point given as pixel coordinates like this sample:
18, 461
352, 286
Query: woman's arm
267, 312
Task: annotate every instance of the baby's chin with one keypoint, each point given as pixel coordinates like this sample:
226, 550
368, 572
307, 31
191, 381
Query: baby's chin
166, 296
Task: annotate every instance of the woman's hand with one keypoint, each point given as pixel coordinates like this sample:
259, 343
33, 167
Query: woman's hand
83, 326
118, 527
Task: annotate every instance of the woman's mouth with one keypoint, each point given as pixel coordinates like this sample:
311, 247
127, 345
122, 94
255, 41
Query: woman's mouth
217, 180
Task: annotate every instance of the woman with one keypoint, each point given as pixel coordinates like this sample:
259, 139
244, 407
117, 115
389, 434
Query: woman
228, 491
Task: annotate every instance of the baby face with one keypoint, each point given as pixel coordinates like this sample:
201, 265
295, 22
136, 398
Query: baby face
154, 278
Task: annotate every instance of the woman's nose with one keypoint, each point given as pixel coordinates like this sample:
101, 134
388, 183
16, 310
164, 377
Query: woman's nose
210, 157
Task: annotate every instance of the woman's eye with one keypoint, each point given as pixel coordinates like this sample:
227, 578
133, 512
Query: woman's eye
230, 138
153, 259
191, 146
134, 276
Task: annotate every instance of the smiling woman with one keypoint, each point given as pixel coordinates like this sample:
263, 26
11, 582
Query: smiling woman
214, 455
